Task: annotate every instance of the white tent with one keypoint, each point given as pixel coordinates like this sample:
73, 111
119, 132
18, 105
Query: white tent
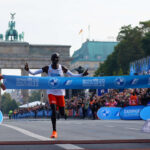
32, 104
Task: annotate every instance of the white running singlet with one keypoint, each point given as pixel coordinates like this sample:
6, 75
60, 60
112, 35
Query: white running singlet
55, 73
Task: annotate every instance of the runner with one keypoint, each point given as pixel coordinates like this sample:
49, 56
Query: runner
55, 96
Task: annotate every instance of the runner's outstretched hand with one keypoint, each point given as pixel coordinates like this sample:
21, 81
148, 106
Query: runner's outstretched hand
26, 67
1, 77
3, 86
85, 73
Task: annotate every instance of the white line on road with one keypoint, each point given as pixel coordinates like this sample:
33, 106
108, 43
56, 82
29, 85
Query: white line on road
39, 137
69, 146
28, 133
132, 128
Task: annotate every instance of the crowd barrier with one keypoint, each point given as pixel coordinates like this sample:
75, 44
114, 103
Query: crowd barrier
33, 114
48, 113
1, 117
126, 113
104, 113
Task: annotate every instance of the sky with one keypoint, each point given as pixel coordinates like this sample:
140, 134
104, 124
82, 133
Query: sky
58, 22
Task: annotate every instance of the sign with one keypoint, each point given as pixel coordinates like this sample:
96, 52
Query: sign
108, 82
131, 112
109, 113
145, 113
1, 117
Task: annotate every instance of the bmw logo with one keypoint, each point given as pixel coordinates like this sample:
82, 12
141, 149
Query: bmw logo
120, 82
105, 113
53, 82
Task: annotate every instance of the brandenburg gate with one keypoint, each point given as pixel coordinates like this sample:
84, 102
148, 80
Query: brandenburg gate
14, 53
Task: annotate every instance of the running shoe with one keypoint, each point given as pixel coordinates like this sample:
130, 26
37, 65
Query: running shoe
54, 134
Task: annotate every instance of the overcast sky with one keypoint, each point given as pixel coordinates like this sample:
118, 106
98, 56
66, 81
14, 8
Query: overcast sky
59, 21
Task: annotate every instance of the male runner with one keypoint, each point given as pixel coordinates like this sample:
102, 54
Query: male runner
56, 96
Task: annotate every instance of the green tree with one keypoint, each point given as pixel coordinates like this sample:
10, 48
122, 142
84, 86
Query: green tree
8, 103
128, 50
35, 96
146, 44
120, 72
145, 26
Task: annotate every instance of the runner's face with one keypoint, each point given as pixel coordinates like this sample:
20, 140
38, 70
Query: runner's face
55, 59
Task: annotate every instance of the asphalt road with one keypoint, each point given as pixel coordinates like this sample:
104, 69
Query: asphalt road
38, 130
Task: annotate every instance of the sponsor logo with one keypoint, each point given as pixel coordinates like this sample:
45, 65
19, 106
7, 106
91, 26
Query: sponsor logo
105, 113
31, 82
68, 82
117, 114
53, 82
93, 82
134, 81
120, 82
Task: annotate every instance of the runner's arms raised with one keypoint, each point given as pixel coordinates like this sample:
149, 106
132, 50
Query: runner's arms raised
39, 71
65, 70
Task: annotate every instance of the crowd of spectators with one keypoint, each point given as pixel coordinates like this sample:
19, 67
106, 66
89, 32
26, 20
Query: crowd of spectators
87, 107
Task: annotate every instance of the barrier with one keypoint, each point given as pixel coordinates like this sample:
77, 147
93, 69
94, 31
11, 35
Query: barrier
1, 117
31, 114
109, 82
48, 113
104, 113
109, 113
145, 113
131, 112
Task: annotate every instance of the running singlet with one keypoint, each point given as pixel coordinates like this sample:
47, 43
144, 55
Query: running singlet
55, 73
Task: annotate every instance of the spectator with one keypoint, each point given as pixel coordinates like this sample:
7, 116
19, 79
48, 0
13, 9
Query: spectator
133, 101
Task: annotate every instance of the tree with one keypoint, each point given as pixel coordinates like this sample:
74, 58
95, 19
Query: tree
146, 44
128, 50
8, 103
35, 96
145, 26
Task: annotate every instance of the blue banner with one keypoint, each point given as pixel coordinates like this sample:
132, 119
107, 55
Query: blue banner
145, 113
108, 82
1, 117
109, 113
131, 113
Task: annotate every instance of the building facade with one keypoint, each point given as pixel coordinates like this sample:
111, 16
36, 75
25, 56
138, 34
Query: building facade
92, 54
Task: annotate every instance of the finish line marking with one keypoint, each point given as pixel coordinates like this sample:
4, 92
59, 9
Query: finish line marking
28, 133
39, 137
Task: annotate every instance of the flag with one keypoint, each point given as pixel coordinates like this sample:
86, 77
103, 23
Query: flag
80, 31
